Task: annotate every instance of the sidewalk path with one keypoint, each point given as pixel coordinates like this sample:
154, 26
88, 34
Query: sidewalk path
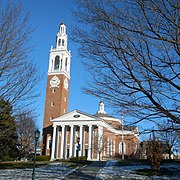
87, 172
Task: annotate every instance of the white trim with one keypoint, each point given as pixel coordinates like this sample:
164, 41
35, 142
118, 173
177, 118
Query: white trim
86, 119
62, 72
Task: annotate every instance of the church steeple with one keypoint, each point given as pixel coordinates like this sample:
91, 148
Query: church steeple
57, 90
59, 61
61, 41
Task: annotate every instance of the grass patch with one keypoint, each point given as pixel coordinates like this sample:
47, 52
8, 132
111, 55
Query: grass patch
20, 165
74, 163
29, 164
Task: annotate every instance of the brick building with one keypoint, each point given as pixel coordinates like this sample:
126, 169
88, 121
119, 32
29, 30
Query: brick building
98, 136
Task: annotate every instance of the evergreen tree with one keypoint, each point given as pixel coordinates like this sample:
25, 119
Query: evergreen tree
8, 133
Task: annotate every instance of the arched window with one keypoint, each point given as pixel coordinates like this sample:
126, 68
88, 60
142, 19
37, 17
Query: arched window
59, 42
66, 65
122, 146
51, 65
56, 63
49, 142
63, 42
61, 63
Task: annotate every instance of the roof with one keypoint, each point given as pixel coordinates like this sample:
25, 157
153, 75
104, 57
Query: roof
62, 23
128, 128
102, 115
125, 127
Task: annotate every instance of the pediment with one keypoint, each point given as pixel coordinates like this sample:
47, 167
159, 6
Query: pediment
76, 115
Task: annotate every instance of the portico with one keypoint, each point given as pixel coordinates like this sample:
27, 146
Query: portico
97, 138
64, 142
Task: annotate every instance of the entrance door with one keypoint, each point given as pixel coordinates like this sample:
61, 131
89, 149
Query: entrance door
86, 153
67, 153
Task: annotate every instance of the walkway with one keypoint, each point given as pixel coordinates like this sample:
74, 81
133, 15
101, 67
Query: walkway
87, 172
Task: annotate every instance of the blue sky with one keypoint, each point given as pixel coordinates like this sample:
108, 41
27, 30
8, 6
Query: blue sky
45, 16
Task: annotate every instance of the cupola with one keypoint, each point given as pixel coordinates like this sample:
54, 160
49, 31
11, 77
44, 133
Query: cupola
101, 107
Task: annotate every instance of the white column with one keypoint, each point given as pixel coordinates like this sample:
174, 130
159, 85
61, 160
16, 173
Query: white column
108, 146
57, 145
53, 143
90, 143
62, 142
65, 142
114, 148
100, 141
71, 141
92, 150
75, 139
81, 140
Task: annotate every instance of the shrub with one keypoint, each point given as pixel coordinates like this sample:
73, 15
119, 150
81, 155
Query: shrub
80, 158
43, 158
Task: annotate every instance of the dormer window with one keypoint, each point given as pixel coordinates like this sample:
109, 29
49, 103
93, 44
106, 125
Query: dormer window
56, 63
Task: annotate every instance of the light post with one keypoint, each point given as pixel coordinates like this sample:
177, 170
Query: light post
78, 148
37, 134
122, 137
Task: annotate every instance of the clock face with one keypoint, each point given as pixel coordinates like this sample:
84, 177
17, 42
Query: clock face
66, 85
54, 82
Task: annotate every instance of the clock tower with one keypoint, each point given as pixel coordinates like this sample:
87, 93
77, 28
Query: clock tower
57, 90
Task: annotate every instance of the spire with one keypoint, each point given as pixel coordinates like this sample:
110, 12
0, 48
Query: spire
62, 28
61, 41
101, 107
59, 60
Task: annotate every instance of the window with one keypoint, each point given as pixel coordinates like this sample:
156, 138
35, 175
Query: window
49, 142
66, 65
128, 148
62, 29
56, 63
63, 42
53, 90
59, 42
52, 104
120, 147
51, 65
61, 63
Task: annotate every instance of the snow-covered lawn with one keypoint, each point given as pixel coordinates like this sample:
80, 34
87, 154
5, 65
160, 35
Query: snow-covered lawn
113, 171
51, 171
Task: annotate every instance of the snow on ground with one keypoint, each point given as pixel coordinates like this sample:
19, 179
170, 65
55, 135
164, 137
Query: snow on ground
113, 171
51, 171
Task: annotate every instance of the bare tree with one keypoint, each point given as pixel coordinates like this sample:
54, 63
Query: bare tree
99, 144
169, 136
26, 126
154, 153
18, 73
132, 50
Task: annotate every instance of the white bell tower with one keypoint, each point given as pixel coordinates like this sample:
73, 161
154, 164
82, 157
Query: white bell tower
60, 57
